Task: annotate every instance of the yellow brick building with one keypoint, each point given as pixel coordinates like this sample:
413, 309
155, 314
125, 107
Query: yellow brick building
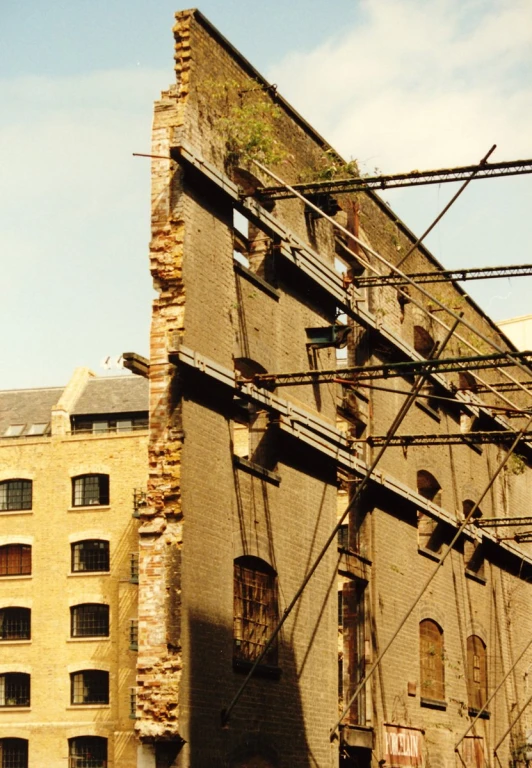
73, 465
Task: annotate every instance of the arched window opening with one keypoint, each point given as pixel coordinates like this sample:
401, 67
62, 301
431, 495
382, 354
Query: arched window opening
15, 624
255, 609
87, 752
14, 753
474, 561
89, 620
477, 675
429, 531
432, 669
423, 341
15, 560
467, 382
90, 490
15, 495
90, 555
89, 686
428, 486
14, 690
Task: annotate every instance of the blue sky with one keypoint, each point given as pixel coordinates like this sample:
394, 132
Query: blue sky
396, 84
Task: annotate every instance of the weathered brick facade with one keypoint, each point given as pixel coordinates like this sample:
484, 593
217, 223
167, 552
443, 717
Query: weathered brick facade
210, 504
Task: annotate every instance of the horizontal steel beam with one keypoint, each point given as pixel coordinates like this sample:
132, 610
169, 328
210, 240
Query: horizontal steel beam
489, 522
467, 438
391, 181
446, 275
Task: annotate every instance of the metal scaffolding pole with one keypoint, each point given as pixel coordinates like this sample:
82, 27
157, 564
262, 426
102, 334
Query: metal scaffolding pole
514, 721
226, 713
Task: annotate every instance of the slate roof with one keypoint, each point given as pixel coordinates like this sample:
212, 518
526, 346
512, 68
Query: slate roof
113, 394
27, 406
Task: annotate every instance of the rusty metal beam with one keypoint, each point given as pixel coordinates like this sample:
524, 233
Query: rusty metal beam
466, 438
445, 275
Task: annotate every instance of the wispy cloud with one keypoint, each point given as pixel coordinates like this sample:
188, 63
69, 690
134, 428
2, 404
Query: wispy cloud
419, 84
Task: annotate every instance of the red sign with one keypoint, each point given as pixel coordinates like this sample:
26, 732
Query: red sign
402, 746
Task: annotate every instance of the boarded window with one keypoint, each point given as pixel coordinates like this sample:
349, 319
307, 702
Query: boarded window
477, 677
15, 560
255, 609
352, 667
432, 669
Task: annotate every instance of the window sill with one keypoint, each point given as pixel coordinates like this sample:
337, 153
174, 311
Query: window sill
89, 508
433, 703
88, 573
15, 708
263, 670
473, 712
91, 639
474, 576
9, 512
429, 411
429, 553
257, 470
16, 576
88, 706
260, 282
22, 641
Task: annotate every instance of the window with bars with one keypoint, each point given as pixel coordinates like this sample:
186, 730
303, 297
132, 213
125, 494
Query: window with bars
15, 624
134, 568
90, 555
15, 560
89, 686
133, 635
14, 690
477, 673
89, 620
15, 495
90, 490
133, 703
87, 752
255, 609
431, 660
13, 753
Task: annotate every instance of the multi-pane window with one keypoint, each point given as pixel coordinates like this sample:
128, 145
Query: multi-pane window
134, 568
90, 490
477, 674
14, 690
13, 753
431, 660
89, 620
352, 642
133, 703
89, 686
133, 635
15, 624
90, 555
15, 494
15, 560
255, 609
87, 752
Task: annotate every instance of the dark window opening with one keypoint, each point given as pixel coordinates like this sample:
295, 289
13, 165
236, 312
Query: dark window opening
430, 532
432, 668
15, 495
90, 555
477, 677
133, 635
15, 624
89, 620
352, 656
87, 752
90, 686
14, 690
423, 341
255, 609
89, 490
15, 560
14, 753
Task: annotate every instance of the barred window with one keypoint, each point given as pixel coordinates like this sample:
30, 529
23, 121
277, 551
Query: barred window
14, 753
90, 555
89, 620
87, 752
15, 624
134, 568
14, 690
432, 661
90, 490
255, 609
89, 686
133, 635
15, 494
133, 703
15, 560
477, 674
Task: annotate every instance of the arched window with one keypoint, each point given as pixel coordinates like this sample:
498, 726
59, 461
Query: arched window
423, 341
14, 690
15, 624
89, 686
90, 555
255, 609
14, 753
432, 670
427, 528
89, 620
87, 752
15, 495
467, 382
90, 490
15, 560
477, 675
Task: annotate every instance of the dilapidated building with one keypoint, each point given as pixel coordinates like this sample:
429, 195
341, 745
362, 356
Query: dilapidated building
281, 356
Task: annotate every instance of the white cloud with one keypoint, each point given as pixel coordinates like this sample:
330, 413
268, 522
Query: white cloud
420, 84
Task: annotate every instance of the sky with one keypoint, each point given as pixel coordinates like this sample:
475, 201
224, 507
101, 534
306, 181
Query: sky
395, 84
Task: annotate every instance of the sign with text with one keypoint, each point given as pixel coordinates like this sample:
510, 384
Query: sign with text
402, 746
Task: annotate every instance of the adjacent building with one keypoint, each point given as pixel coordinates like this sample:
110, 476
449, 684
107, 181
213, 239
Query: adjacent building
72, 477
